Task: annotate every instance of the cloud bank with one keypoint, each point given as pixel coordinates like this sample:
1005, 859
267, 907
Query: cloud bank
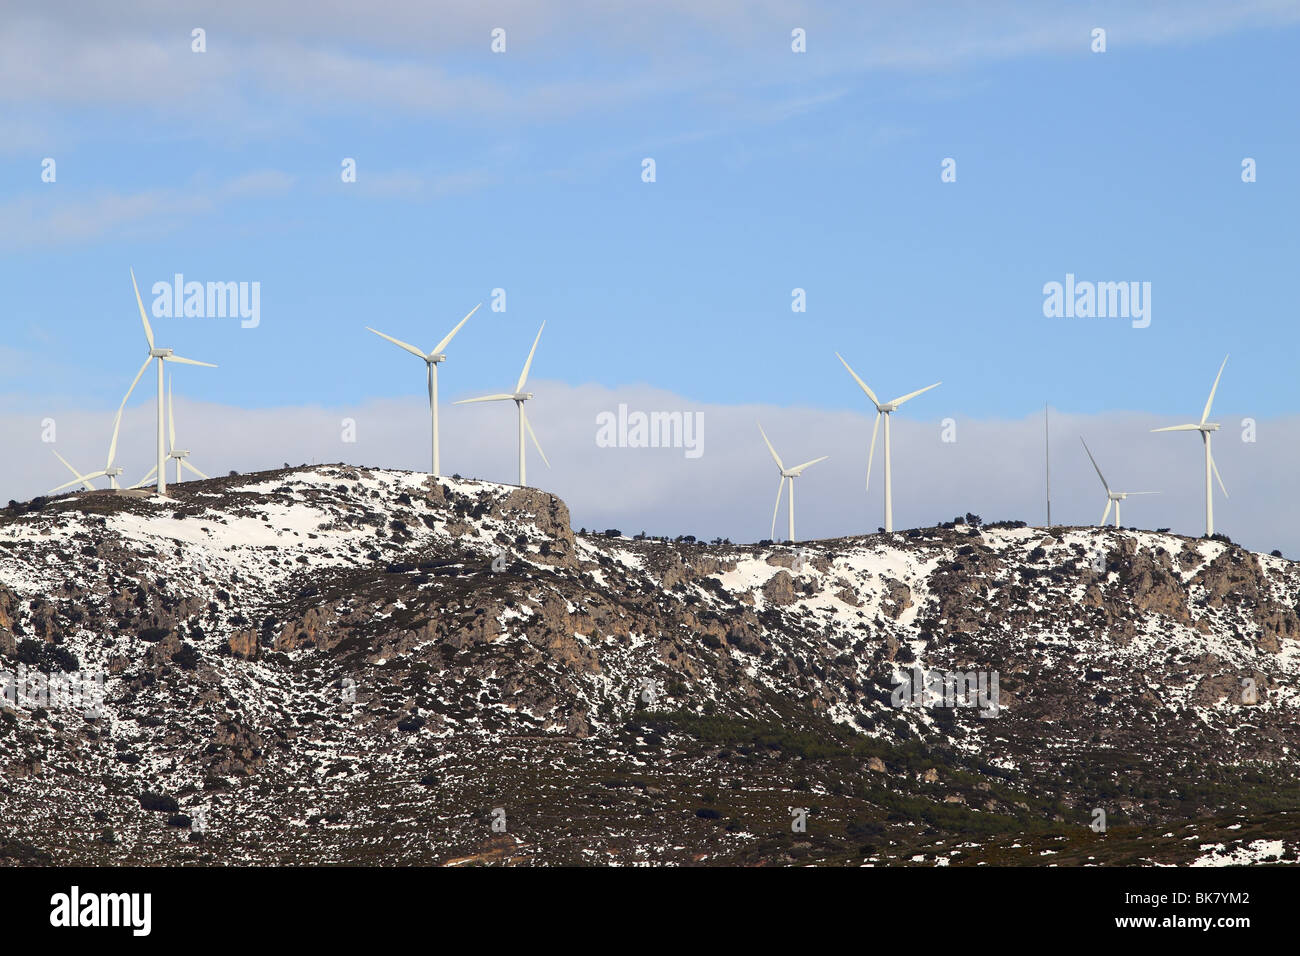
994, 468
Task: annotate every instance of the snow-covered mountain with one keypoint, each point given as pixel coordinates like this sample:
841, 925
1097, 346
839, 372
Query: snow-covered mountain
339, 664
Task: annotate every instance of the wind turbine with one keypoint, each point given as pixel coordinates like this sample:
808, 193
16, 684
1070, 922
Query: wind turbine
789, 474
178, 454
1112, 497
161, 355
109, 471
518, 396
431, 373
883, 410
1205, 428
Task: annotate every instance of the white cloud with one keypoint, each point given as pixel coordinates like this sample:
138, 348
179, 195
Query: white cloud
61, 214
563, 59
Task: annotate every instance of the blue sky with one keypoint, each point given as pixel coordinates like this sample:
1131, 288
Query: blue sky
775, 170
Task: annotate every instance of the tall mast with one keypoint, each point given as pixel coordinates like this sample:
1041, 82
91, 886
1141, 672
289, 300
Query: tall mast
1047, 456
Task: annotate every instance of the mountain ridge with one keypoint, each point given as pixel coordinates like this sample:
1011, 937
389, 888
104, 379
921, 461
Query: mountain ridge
342, 664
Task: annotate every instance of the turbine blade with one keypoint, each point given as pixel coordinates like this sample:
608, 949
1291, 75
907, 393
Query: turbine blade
135, 381
780, 487
89, 487
871, 457
452, 334
66, 484
398, 342
171, 418
1178, 428
1106, 514
145, 480
523, 376
1215, 468
798, 468
484, 398
84, 479
185, 361
186, 464
775, 456
112, 448
148, 332
112, 445
1094, 465
870, 394
1210, 401
533, 435
911, 395
1132, 493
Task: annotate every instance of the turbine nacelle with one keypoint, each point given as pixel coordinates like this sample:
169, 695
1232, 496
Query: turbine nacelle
522, 396
161, 353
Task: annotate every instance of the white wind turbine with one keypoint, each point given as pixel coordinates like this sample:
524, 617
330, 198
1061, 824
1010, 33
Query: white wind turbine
109, 471
431, 361
883, 410
1205, 428
161, 355
1112, 497
787, 474
518, 396
173, 453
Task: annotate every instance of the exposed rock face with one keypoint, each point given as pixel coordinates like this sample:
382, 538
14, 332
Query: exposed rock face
898, 597
1152, 581
344, 665
779, 589
243, 644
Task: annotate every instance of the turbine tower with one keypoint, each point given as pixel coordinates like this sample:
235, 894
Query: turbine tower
160, 355
1112, 497
518, 396
883, 410
787, 474
431, 361
173, 453
1206, 428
